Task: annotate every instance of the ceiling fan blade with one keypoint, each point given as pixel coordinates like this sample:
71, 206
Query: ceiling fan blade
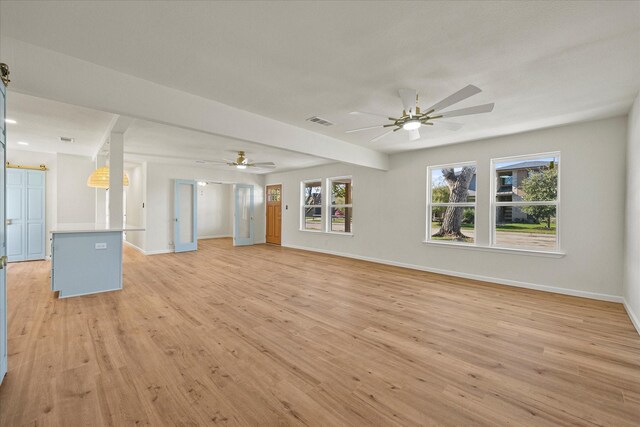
211, 162
485, 108
461, 95
367, 128
448, 125
414, 135
408, 97
379, 137
364, 113
264, 164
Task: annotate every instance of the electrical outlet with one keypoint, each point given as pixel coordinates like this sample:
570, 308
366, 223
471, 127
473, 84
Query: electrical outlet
101, 245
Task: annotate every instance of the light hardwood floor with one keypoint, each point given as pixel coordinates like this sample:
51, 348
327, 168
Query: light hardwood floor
265, 335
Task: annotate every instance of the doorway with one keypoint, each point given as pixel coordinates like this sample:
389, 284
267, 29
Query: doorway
215, 210
274, 214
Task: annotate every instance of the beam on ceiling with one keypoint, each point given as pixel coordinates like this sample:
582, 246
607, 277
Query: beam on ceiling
48, 74
118, 124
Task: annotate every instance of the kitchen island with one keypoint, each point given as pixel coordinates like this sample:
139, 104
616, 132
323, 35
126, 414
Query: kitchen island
87, 258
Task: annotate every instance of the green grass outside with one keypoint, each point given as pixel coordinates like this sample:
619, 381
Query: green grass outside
516, 228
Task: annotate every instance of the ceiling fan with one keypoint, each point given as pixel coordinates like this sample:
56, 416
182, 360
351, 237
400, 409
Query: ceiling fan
412, 118
242, 162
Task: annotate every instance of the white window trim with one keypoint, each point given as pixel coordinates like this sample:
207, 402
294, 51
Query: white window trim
303, 207
430, 205
331, 205
494, 204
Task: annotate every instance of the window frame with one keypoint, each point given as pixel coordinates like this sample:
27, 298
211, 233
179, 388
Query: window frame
303, 206
331, 205
494, 204
431, 205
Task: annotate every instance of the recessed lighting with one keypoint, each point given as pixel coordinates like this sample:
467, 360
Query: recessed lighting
22, 143
11, 121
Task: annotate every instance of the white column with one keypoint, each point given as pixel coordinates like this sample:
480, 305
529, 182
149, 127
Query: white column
116, 171
101, 194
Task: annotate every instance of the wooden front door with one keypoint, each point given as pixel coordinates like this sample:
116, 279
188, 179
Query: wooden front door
274, 214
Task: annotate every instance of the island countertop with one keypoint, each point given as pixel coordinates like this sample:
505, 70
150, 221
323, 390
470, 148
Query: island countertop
92, 228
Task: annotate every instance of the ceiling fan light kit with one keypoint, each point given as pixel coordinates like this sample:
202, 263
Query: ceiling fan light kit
412, 118
242, 162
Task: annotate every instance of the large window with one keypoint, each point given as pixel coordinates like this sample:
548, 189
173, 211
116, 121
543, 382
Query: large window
311, 218
525, 202
340, 205
451, 202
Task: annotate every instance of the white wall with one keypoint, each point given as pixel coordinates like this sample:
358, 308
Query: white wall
159, 200
632, 228
76, 201
31, 158
215, 211
389, 211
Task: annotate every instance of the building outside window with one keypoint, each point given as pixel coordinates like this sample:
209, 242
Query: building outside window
526, 201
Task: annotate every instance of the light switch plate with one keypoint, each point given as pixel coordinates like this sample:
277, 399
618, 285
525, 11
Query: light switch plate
101, 245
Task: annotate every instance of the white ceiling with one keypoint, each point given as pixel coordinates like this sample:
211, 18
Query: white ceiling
40, 123
168, 144
543, 63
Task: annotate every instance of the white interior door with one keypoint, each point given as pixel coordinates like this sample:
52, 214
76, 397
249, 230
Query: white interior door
243, 220
3, 233
186, 208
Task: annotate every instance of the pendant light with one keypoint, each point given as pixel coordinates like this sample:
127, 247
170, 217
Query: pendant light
100, 178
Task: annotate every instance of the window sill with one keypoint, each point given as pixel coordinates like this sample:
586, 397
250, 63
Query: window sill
531, 252
335, 233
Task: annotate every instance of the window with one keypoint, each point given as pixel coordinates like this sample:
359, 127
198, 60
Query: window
340, 205
451, 203
311, 218
273, 194
525, 202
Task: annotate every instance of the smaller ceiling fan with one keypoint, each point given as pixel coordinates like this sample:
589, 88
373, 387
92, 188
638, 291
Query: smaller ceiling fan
242, 162
413, 118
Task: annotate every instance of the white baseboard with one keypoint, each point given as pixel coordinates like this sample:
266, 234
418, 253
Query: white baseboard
632, 316
159, 251
142, 251
217, 236
545, 288
131, 245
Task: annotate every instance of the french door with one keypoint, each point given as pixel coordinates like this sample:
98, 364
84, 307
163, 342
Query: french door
3, 233
243, 219
186, 218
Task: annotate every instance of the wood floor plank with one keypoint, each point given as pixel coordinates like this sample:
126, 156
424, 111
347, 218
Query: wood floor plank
266, 335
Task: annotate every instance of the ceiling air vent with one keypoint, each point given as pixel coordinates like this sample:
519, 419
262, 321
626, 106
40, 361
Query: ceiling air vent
318, 120
67, 139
